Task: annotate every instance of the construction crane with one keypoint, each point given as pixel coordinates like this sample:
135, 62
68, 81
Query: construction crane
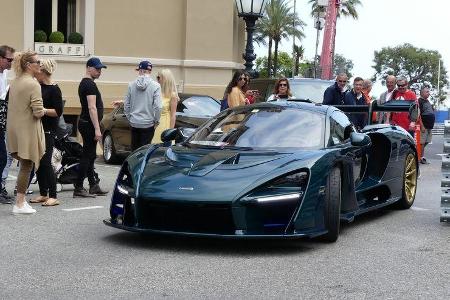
329, 35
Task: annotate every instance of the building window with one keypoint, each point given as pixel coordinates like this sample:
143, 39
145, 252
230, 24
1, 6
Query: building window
56, 15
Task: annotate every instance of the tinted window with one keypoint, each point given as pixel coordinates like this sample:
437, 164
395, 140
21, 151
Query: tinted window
268, 127
340, 128
312, 90
199, 106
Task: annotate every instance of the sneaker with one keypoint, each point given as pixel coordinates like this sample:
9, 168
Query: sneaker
4, 193
25, 210
4, 200
82, 193
424, 161
96, 190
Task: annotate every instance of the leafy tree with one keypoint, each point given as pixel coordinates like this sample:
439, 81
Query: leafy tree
278, 23
418, 65
342, 65
347, 8
284, 66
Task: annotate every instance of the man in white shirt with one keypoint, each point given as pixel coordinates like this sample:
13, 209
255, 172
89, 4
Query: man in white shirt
6, 58
386, 96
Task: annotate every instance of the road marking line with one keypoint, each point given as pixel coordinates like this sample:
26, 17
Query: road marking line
82, 208
106, 166
419, 208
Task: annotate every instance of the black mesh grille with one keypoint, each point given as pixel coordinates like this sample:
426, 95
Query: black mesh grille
185, 217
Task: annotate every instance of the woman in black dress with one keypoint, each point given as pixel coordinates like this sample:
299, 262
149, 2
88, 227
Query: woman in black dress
53, 107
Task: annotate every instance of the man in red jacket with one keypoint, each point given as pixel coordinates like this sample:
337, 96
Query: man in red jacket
403, 93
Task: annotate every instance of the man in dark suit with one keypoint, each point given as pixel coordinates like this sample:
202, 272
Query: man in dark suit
335, 94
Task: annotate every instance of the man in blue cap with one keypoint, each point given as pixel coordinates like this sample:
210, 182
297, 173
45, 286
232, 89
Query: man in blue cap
142, 106
89, 127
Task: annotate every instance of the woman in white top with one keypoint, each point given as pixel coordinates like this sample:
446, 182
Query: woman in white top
282, 91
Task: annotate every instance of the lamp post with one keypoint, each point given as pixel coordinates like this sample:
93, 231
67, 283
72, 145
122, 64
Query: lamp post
250, 11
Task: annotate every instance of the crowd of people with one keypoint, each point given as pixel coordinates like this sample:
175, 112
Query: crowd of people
397, 89
30, 108
31, 105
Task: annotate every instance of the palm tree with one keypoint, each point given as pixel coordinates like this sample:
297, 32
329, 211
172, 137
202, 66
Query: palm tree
299, 52
277, 24
347, 8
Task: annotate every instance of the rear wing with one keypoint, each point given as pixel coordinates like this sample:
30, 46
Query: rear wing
411, 107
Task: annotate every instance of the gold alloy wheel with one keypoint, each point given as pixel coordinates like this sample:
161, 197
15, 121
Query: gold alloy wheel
410, 184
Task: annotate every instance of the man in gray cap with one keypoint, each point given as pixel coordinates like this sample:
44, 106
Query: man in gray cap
142, 106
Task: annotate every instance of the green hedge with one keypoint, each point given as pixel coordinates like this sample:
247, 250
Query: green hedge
75, 38
40, 36
56, 37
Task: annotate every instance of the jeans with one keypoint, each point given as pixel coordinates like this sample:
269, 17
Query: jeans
9, 160
45, 174
141, 136
3, 152
87, 160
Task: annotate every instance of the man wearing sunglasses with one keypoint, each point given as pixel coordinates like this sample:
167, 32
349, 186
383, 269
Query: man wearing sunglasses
6, 58
403, 93
335, 94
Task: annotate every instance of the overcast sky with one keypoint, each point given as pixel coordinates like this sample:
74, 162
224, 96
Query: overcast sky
381, 23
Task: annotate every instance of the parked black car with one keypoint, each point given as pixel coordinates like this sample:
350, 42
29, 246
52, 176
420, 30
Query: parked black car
192, 111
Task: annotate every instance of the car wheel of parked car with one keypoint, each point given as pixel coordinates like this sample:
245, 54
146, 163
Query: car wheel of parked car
109, 152
332, 205
409, 181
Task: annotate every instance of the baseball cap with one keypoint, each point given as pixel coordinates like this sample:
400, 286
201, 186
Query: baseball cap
95, 63
144, 65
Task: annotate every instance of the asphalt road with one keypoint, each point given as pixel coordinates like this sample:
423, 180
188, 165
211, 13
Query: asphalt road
60, 253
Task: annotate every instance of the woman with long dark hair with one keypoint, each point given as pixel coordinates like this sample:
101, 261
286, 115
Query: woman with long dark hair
234, 91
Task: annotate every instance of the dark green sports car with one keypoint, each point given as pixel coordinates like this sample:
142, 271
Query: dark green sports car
283, 169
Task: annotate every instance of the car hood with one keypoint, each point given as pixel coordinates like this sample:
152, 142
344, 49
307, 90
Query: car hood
180, 173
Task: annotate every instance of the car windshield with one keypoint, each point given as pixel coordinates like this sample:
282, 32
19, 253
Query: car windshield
262, 128
201, 106
312, 90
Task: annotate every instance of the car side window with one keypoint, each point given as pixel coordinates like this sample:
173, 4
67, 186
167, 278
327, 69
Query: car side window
199, 106
340, 128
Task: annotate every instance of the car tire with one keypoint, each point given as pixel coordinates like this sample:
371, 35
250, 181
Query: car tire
109, 152
332, 211
409, 186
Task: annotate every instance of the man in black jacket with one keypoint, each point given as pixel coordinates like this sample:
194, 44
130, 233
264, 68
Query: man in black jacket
335, 94
426, 121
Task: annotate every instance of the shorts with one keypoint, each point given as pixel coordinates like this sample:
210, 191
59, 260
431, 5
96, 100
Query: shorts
425, 136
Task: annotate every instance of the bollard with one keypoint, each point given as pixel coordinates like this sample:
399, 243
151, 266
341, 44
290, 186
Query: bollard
445, 181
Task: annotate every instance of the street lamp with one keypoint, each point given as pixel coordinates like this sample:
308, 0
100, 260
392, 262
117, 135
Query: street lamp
250, 11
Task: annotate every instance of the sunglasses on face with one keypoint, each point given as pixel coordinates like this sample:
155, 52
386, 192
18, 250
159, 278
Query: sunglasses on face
8, 59
342, 81
401, 85
243, 78
283, 84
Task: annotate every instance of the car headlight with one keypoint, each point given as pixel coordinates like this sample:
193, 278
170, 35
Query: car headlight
290, 187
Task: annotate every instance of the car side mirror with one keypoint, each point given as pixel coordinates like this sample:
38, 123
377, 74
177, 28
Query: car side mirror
359, 139
414, 112
183, 134
169, 134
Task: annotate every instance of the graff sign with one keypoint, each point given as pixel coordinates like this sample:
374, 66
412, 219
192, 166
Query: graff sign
59, 49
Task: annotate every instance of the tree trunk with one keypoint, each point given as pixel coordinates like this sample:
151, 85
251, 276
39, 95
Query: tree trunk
269, 59
297, 63
275, 59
